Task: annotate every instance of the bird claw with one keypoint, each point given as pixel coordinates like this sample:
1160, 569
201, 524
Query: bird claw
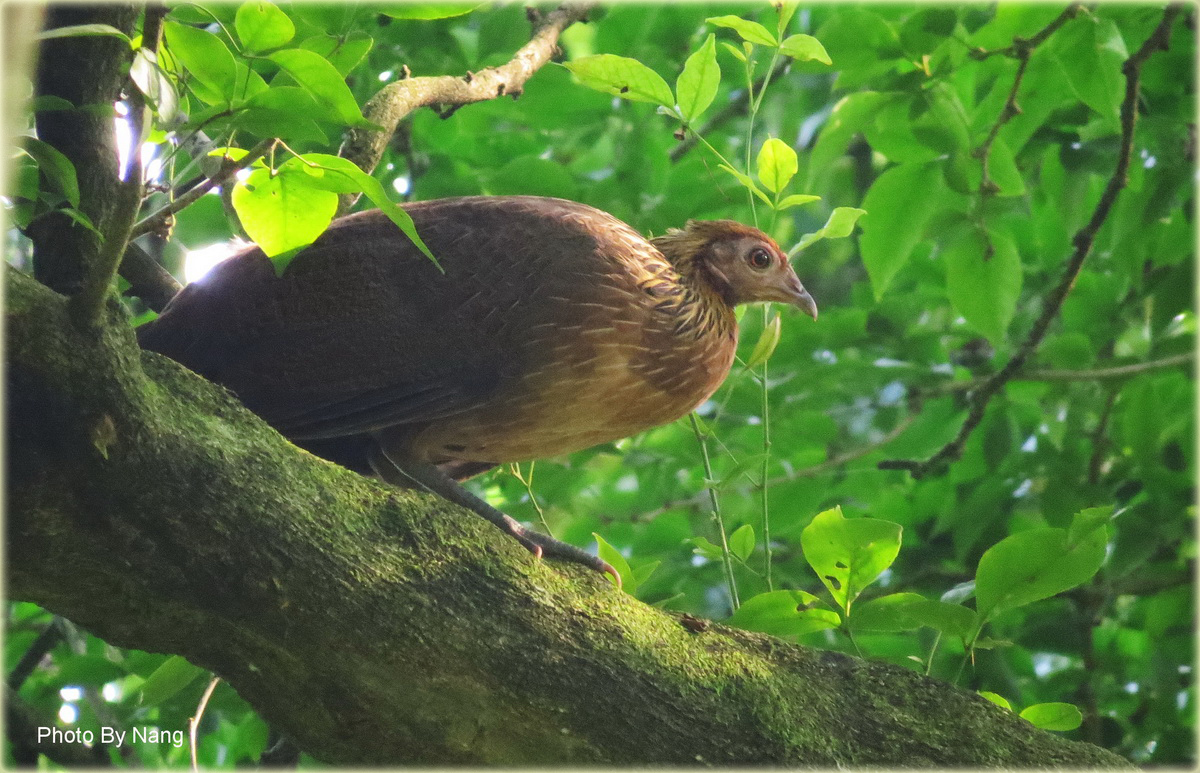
545, 546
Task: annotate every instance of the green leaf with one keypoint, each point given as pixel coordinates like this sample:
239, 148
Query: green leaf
1053, 716
899, 206
323, 81
706, 549
848, 554
55, 167
426, 11
289, 102
1002, 169
697, 85
777, 164
1090, 51
795, 200
616, 561
784, 613
262, 26
741, 542
887, 614
747, 182
839, 225
786, 10
805, 48
343, 53
624, 77
167, 680
910, 611
737, 52
751, 31
999, 700
1033, 565
90, 670
156, 85
205, 56
283, 211
841, 222
984, 291
83, 31
643, 572
341, 175
1087, 521
767, 341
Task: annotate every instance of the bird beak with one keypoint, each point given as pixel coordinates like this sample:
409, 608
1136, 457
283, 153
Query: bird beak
799, 297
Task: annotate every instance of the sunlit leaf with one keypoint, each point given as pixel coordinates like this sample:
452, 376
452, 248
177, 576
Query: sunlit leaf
173, 675
848, 554
697, 84
777, 164
784, 613
1053, 716
624, 77
751, 31
804, 48
764, 347
741, 542
261, 25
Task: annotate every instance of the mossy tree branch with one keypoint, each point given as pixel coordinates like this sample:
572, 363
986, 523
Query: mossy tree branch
377, 626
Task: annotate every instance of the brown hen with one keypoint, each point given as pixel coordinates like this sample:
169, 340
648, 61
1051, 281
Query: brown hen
555, 327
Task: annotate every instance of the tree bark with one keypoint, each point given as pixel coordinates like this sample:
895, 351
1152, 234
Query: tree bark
376, 626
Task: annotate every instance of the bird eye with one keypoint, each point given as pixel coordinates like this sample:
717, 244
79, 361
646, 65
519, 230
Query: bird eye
758, 258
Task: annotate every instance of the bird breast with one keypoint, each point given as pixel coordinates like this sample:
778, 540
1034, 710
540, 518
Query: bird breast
602, 344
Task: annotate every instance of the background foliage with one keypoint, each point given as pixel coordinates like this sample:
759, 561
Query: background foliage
938, 288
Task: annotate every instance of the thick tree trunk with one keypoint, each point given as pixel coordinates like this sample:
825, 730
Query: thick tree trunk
377, 626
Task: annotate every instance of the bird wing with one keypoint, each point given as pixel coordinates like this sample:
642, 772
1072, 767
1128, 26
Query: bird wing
362, 332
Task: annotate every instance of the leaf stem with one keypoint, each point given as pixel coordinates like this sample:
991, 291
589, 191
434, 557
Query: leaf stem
715, 503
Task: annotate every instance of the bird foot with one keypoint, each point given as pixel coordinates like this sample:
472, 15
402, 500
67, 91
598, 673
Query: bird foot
545, 546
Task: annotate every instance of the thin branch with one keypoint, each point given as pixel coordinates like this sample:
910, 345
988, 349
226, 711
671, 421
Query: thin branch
1021, 50
397, 100
147, 279
1100, 440
696, 500
849, 456
1095, 374
194, 722
979, 399
1019, 43
47, 640
160, 220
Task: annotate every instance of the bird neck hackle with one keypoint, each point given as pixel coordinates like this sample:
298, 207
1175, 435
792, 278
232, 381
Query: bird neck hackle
706, 302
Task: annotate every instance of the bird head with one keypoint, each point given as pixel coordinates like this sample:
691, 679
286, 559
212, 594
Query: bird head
742, 264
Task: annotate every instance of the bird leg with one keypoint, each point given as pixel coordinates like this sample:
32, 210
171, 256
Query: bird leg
434, 480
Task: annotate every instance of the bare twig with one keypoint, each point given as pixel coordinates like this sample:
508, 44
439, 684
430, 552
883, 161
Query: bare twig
1019, 43
1094, 374
849, 456
1100, 440
696, 500
147, 279
979, 399
397, 100
1021, 49
47, 640
157, 221
194, 722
